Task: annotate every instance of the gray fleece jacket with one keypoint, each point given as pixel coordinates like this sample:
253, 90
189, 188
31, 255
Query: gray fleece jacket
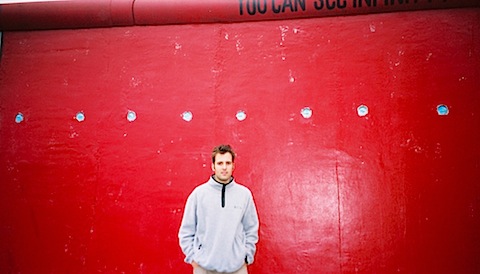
219, 228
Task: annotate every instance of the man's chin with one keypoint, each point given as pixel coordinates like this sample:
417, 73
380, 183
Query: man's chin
223, 179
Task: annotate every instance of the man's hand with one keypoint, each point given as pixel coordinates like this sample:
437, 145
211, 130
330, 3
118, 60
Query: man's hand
194, 264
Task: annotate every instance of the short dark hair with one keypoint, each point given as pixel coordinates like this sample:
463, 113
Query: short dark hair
222, 149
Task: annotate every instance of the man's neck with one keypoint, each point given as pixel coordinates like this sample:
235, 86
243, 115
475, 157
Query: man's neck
221, 181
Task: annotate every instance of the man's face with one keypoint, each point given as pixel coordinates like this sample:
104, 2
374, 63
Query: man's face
223, 167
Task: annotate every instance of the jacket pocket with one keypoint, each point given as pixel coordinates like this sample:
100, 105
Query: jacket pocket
240, 249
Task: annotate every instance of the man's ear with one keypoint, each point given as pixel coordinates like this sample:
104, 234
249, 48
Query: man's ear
213, 167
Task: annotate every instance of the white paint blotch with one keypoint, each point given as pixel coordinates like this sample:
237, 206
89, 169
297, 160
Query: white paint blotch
306, 112
290, 76
241, 115
134, 82
187, 116
362, 110
238, 46
283, 30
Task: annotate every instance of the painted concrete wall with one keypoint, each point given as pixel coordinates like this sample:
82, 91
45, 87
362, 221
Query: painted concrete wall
335, 120
54, 14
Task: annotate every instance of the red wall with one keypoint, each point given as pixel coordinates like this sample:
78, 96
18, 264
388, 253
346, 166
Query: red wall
395, 191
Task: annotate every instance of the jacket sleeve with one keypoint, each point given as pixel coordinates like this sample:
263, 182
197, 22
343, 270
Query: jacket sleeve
186, 233
250, 225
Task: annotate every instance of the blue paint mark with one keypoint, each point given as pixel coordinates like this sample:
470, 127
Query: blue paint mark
442, 110
80, 117
19, 118
131, 116
362, 110
306, 112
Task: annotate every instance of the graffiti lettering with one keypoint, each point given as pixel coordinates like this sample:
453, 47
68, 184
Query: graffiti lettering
269, 7
369, 3
329, 4
287, 4
252, 7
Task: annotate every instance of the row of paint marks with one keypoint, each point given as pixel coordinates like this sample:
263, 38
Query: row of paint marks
241, 115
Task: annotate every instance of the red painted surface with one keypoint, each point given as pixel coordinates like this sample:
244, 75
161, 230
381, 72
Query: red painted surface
107, 13
395, 191
66, 14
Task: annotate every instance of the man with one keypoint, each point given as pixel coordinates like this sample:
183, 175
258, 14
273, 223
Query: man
219, 228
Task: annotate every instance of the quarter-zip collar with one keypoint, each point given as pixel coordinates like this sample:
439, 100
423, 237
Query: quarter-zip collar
218, 185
